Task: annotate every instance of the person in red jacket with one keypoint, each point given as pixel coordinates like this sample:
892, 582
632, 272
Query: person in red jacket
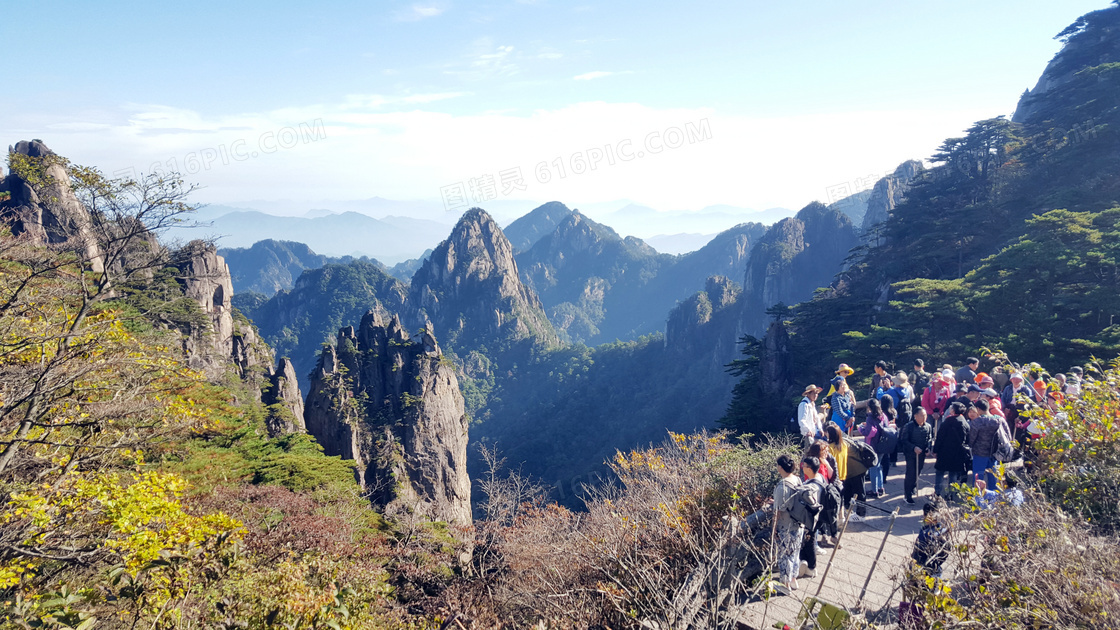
936, 397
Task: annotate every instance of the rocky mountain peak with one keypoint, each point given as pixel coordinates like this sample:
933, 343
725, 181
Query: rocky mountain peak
524, 232
889, 192
397, 411
283, 401
470, 288
44, 206
1092, 39
795, 257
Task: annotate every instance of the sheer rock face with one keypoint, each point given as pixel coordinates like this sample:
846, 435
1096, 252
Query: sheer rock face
470, 288
704, 325
206, 280
393, 406
889, 192
51, 215
776, 369
283, 400
795, 257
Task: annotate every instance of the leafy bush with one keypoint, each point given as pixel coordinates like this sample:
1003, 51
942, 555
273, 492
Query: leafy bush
1078, 463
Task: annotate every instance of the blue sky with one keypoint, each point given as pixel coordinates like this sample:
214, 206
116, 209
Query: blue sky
406, 99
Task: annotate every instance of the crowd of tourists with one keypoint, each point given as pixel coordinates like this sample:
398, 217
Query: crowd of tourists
966, 421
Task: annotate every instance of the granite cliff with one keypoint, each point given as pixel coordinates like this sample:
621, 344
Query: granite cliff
889, 192
42, 206
470, 288
392, 404
795, 257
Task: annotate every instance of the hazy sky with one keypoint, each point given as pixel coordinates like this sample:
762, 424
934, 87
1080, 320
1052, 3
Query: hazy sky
753, 104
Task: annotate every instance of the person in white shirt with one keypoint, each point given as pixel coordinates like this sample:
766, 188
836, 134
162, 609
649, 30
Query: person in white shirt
809, 420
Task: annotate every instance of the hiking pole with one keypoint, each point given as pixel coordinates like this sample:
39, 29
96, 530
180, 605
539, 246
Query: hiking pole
878, 555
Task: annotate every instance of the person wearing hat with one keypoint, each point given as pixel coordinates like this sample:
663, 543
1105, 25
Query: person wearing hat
971, 393
1073, 382
808, 418
984, 380
947, 375
842, 373
903, 396
936, 398
995, 407
1016, 388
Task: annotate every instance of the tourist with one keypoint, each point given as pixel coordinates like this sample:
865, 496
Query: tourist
828, 472
967, 374
851, 470
871, 431
915, 441
877, 377
888, 438
809, 469
843, 404
950, 447
842, 374
931, 550
920, 378
936, 398
787, 531
983, 428
808, 418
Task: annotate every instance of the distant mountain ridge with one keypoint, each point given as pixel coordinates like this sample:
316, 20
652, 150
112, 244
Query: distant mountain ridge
391, 240
270, 266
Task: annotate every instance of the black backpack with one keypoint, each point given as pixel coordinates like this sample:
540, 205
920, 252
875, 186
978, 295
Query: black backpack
905, 412
803, 505
831, 500
921, 383
865, 452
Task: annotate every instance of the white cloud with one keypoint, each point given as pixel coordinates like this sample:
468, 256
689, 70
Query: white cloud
394, 148
419, 12
484, 61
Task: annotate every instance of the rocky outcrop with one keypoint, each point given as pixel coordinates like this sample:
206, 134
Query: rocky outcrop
795, 257
283, 401
470, 288
1093, 39
392, 404
205, 280
889, 192
42, 205
775, 362
703, 327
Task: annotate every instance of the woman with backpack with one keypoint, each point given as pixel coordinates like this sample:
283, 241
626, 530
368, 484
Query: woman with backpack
851, 470
814, 484
831, 497
787, 531
888, 440
872, 431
